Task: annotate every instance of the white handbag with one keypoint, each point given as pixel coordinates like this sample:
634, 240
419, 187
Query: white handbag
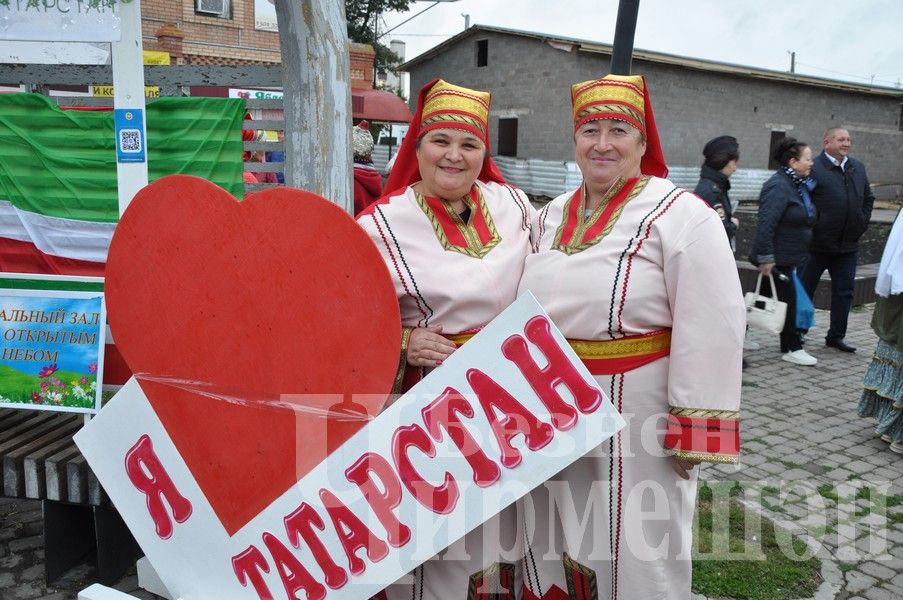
765, 313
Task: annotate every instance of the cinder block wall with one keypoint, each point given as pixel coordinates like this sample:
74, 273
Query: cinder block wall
531, 80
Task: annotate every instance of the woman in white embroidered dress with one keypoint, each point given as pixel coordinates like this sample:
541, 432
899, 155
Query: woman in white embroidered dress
639, 276
454, 237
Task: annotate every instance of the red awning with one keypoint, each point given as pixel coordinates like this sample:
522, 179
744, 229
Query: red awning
379, 105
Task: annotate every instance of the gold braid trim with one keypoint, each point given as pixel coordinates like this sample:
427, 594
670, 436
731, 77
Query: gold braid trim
570, 566
403, 360
611, 109
704, 413
460, 338
489, 580
622, 347
474, 248
455, 119
725, 459
574, 245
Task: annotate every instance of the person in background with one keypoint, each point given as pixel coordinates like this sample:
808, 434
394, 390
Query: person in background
882, 396
786, 216
635, 272
256, 156
368, 183
844, 201
721, 156
454, 237
247, 135
278, 156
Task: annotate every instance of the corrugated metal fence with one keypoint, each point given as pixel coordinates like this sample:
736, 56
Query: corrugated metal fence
551, 178
380, 157
745, 183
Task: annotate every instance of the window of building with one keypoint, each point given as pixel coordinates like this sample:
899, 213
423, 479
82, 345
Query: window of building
482, 53
214, 8
776, 138
507, 145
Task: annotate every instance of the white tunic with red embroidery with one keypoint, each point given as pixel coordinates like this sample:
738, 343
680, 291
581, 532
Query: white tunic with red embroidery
460, 276
618, 522
448, 273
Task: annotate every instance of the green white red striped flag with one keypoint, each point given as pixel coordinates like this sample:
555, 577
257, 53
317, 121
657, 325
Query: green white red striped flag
58, 192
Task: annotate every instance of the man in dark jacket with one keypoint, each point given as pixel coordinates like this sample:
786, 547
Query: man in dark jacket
721, 156
844, 200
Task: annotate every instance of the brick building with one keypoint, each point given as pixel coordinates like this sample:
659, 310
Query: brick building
203, 32
530, 75
228, 32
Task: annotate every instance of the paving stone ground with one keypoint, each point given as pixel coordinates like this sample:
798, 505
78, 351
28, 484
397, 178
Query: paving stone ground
807, 461
22, 559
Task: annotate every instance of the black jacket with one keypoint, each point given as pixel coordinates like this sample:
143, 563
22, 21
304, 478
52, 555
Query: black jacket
713, 187
844, 200
785, 228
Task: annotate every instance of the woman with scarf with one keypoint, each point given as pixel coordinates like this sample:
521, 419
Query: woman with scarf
786, 217
882, 396
637, 274
454, 236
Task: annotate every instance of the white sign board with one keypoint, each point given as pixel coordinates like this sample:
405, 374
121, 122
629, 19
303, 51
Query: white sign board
503, 414
60, 20
54, 53
255, 94
265, 15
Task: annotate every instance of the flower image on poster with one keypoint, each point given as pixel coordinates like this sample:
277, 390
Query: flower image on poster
265, 15
51, 356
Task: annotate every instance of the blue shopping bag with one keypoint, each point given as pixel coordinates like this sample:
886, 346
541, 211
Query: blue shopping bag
805, 310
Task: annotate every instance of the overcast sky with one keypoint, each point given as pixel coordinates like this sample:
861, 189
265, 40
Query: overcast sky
851, 40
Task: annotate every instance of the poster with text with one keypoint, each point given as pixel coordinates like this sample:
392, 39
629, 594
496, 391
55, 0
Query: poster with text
51, 357
502, 415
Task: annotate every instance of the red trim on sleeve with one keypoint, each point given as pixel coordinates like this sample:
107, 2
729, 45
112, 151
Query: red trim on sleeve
710, 436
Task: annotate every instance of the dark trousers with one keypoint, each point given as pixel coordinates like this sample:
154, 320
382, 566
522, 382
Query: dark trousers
842, 269
783, 280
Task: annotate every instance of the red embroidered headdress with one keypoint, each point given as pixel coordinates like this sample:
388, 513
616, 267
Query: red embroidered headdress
623, 98
442, 105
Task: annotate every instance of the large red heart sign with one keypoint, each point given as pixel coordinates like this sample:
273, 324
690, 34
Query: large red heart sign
249, 326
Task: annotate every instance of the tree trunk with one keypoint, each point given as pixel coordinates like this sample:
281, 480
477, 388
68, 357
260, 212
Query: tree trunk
317, 98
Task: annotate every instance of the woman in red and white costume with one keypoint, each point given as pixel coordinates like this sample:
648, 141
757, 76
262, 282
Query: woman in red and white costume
638, 275
454, 236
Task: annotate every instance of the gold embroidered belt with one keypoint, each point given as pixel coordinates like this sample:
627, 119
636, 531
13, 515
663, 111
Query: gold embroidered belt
609, 357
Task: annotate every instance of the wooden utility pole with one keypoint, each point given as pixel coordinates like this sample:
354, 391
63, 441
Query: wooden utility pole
317, 98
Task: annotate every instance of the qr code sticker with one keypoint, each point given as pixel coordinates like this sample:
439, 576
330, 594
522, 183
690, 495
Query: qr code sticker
130, 140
